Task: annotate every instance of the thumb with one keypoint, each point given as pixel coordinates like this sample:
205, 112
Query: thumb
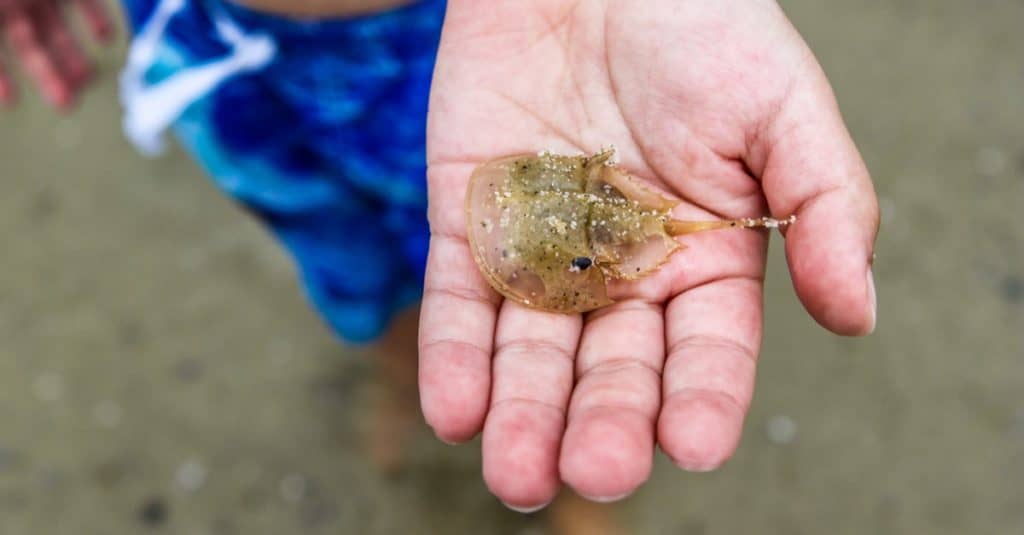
811, 168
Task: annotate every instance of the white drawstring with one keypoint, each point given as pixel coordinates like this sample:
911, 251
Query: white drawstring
150, 110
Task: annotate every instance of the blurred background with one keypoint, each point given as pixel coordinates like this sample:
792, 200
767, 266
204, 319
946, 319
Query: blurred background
160, 370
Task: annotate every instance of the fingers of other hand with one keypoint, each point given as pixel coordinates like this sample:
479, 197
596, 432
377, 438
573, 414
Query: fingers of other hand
65, 50
22, 30
44, 44
813, 169
713, 334
609, 443
98, 18
533, 377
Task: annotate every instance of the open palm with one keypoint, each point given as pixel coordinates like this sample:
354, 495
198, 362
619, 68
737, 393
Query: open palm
717, 103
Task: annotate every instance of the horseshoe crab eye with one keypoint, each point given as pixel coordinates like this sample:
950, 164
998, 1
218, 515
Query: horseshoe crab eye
580, 263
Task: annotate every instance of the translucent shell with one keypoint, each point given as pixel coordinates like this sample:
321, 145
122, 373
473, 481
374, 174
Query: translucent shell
548, 230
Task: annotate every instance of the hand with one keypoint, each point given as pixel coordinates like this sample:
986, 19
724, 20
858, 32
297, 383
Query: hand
718, 103
40, 38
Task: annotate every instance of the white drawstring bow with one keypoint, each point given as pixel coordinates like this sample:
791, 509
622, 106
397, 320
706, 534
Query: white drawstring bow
149, 110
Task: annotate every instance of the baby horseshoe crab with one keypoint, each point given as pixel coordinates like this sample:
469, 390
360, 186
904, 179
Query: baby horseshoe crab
549, 230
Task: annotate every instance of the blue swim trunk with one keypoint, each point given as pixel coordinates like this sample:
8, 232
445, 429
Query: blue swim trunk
316, 127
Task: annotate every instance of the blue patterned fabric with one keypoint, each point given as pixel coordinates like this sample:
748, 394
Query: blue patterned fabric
326, 145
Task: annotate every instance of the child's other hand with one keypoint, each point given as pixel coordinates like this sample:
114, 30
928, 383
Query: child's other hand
38, 34
720, 103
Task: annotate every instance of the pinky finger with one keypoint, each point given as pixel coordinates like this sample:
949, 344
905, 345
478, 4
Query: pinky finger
98, 19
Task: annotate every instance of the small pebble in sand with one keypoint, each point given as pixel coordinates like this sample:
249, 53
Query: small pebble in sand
781, 429
153, 512
191, 475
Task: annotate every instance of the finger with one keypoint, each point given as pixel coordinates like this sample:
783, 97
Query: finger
7, 92
609, 443
812, 168
533, 376
63, 47
97, 18
22, 33
714, 334
457, 321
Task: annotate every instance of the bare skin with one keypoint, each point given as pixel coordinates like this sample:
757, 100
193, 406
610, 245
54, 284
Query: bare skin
38, 33
719, 103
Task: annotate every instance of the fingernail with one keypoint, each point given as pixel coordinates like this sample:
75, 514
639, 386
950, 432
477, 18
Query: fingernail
872, 300
448, 442
698, 468
607, 499
527, 510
